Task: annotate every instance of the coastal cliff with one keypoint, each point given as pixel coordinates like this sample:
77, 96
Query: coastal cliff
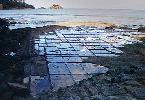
55, 6
14, 5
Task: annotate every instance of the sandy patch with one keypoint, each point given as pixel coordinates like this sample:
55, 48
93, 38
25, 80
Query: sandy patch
96, 24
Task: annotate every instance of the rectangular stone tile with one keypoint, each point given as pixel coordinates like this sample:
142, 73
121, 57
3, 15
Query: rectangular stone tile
78, 78
51, 36
114, 50
58, 68
58, 81
92, 68
65, 45
36, 41
72, 40
62, 48
68, 52
36, 46
103, 44
54, 59
60, 35
57, 44
65, 52
69, 35
43, 40
99, 31
50, 44
41, 51
42, 44
94, 47
82, 39
72, 59
39, 84
42, 36
90, 39
100, 51
92, 44
63, 32
53, 40
76, 44
85, 52
51, 48
76, 68
84, 35
109, 55
40, 68
63, 40
79, 47
111, 39
53, 52
66, 48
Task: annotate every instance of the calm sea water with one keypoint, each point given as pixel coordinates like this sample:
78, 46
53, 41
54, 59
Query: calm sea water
42, 17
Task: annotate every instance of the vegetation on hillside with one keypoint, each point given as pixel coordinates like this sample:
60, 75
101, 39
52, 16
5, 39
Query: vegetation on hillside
13, 4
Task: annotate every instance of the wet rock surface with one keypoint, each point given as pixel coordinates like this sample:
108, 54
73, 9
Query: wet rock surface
123, 81
12, 58
53, 56
67, 52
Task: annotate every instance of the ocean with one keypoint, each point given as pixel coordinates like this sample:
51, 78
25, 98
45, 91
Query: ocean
42, 17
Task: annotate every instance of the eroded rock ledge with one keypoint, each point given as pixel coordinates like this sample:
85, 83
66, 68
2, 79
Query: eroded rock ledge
124, 80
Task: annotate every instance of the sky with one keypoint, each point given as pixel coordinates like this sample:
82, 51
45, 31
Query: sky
98, 4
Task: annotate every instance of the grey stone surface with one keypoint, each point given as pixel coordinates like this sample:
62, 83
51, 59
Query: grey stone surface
58, 81
121, 97
58, 69
39, 84
63, 65
138, 92
111, 89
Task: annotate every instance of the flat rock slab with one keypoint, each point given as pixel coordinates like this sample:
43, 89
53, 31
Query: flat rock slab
138, 92
39, 84
58, 69
40, 69
64, 51
59, 80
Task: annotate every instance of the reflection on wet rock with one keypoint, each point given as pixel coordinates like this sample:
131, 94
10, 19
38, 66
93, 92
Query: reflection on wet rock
65, 49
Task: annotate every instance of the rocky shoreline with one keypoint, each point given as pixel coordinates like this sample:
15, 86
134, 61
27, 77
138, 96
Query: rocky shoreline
125, 79
17, 51
7, 5
14, 53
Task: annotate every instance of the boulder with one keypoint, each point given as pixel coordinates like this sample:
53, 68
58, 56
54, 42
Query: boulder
141, 29
55, 6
